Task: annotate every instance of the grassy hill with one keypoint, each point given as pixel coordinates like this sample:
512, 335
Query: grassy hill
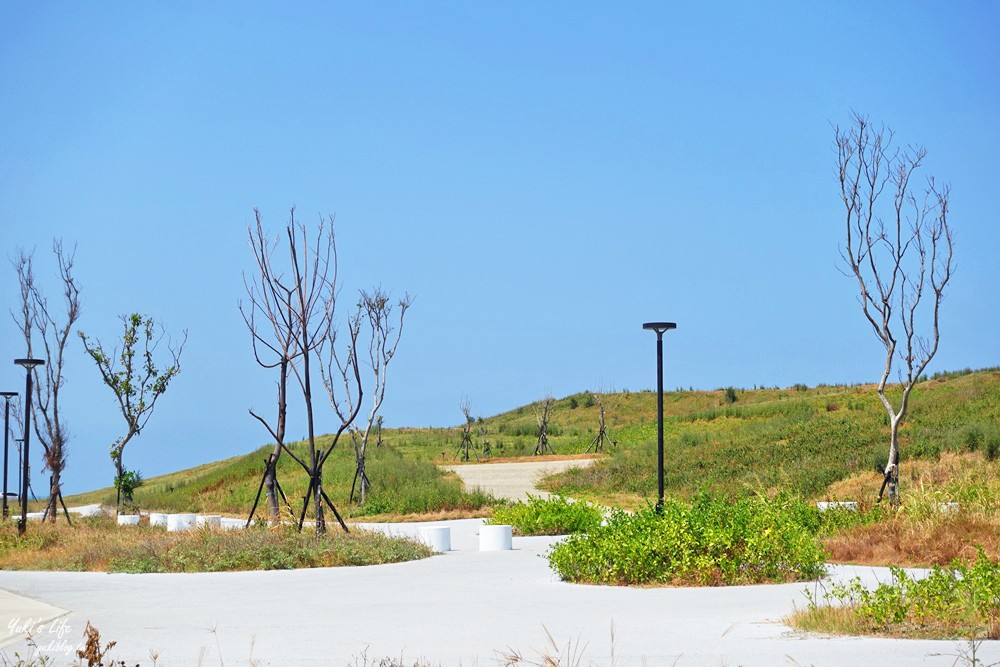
811, 441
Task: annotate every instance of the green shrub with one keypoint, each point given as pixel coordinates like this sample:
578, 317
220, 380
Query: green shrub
706, 541
956, 601
731, 395
548, 516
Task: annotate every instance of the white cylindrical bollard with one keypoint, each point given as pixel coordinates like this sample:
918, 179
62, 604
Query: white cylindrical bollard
209, 521
128, 519
495, 538
437, 538
176, 522
157, 519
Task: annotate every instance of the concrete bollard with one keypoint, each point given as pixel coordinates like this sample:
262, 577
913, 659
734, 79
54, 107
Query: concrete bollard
437, 538
177, 522
128, 519
158, 519
495, 538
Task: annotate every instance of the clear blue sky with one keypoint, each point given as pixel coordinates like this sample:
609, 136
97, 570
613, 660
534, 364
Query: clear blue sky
543, 177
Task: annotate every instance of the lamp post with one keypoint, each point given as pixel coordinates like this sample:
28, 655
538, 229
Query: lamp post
659, 328
29, 365
7, 395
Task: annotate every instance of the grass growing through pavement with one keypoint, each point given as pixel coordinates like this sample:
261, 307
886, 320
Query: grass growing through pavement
548, 516
98, 544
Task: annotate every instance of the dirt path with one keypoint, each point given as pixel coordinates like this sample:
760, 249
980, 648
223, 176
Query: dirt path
513, 480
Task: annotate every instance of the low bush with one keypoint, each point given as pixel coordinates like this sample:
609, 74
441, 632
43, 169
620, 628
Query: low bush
959, 601
705, 542
548, 516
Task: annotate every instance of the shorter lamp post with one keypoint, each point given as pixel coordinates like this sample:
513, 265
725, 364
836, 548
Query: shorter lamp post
29, 365
7, 395
659, 328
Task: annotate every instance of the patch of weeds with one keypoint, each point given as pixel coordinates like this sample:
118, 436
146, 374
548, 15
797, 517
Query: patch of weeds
556, 515
706, 541
959, 601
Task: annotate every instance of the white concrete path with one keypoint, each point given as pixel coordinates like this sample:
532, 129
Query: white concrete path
458, 608
513, 480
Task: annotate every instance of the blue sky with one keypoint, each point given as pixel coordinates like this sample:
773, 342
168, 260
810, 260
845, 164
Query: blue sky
543, 177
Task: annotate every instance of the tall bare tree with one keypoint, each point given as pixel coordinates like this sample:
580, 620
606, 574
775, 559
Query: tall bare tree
899, 248
137, 383
301, 315
38, 321
382, 323
270, 317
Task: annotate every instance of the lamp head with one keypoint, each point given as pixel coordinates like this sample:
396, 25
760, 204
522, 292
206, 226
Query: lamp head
29, 363
8, 394
659, 327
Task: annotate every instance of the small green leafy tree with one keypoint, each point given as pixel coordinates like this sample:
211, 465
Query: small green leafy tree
137, 383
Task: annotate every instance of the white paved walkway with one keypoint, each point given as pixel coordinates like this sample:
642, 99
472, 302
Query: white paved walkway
458, 608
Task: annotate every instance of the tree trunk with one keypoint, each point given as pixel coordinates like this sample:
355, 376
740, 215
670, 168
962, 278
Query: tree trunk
892, 467
54, 495
119, 474
274, 512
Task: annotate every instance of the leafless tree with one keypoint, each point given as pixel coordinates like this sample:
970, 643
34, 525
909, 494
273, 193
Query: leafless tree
378, 316
300, 311
602, 437
270, 317
465, 446
899, 248
38, 321
542, 445
484, 442
137, 384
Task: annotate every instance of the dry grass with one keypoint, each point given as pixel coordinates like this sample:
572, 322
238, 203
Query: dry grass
899, 541
926, 531
97, 544
950, 470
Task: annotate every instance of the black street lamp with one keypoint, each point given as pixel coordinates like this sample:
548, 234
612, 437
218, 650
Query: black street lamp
7, 395
659, 328
29, 365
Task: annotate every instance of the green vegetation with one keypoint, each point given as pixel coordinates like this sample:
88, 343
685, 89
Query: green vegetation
548, 516
960, 601
400, 486
798, 440
703, 542
97, 544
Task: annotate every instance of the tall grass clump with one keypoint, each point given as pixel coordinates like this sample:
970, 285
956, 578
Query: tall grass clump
707, 541
548, 516
959, 601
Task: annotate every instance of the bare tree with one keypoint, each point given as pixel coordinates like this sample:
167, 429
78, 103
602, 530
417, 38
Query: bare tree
137, 383
270, 317
484, 442
36, 319
378, 315
898, 248
542, 445
597, 444
300, 312
465, 446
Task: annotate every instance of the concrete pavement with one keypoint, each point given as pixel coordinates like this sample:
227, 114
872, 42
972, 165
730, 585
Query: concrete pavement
515, 479
460, 608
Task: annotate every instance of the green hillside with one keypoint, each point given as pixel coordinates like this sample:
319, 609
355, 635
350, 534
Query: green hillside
798, 439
